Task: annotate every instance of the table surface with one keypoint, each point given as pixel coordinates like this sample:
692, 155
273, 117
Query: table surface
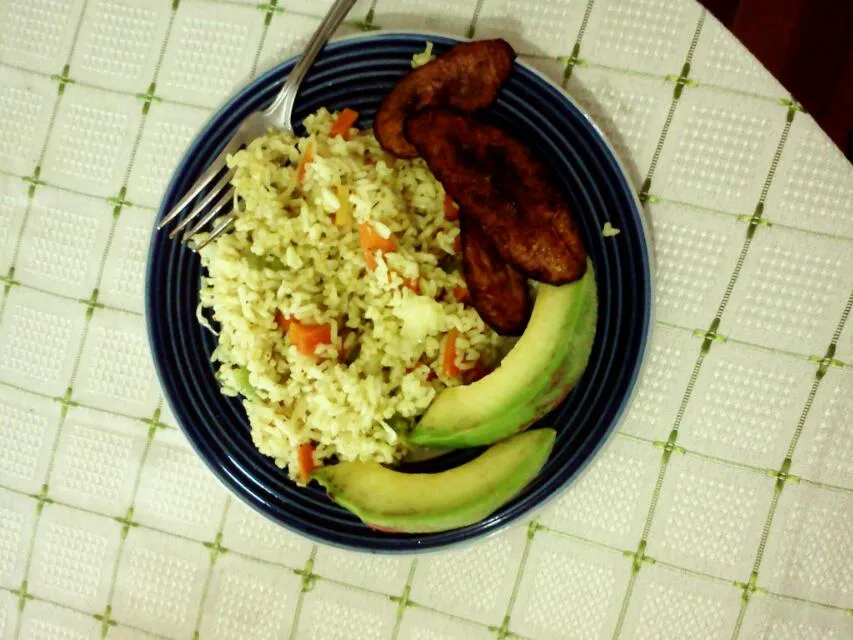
722, 508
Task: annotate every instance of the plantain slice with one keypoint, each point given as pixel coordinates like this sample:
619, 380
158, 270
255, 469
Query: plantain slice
498, 291
498, 181
465, 78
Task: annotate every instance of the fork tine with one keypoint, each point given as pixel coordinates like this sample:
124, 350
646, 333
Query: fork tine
213, 193
227, 222
215, 210
215, 167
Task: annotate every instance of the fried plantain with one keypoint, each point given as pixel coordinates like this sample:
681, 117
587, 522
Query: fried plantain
465, 78
498, 291
499, 182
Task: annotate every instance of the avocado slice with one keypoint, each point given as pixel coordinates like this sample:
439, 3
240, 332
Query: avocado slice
543, 366
398, 502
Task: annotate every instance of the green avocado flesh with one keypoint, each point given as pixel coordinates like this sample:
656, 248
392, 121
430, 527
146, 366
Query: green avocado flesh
544, 365
425, 502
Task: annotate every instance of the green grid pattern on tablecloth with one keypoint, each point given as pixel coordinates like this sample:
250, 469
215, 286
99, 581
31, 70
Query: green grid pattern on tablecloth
688, 524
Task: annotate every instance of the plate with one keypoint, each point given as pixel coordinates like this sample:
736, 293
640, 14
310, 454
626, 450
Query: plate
357, 72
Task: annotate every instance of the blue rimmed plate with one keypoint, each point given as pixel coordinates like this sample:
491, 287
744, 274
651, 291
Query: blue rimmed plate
357, 72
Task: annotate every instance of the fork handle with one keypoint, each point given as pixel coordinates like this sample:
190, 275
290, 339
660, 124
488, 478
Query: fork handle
282, 107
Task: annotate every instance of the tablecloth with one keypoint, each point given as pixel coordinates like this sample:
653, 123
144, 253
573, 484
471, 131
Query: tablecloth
722, 508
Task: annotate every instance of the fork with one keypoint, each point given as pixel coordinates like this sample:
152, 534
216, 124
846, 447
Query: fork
276, 116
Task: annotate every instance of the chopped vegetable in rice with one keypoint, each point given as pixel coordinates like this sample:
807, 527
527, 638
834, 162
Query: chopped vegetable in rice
420, 59
338, 296
609, 231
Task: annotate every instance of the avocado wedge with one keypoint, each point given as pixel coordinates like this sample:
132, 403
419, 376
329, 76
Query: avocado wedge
426, 502
544, 365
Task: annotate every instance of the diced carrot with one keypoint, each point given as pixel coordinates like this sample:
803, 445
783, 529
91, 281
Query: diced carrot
307, 337
343, 216
369, 259
478, 371
448, 362
346, 119
305, 454
412, 283
282, 321
461, 293
370, 240
306, 159
457, 244
451, 211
